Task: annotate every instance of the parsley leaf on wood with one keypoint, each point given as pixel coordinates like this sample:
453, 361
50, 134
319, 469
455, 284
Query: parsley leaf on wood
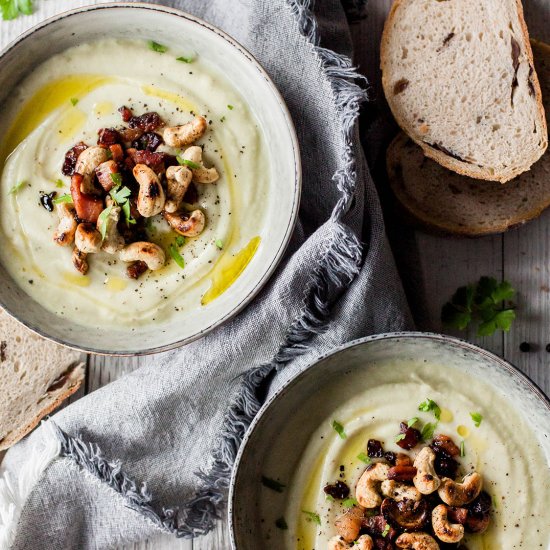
482, 302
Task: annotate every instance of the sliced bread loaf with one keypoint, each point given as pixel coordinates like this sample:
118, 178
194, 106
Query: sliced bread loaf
455, 204
459, 78
35, 376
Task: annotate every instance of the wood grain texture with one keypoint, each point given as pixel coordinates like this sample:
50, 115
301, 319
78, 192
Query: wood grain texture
431, 267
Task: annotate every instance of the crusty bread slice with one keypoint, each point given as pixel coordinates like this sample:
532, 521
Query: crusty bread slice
35, 377
455, 204
458, 76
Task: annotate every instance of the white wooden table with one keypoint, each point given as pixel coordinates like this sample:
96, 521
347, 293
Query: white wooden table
434, 268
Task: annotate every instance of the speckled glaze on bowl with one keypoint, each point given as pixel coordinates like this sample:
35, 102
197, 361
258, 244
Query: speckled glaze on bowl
178, 29
281, 430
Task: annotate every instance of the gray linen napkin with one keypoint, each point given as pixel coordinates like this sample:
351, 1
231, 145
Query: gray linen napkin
153, 450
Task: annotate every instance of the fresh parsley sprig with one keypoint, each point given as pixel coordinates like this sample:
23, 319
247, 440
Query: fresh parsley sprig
482, 302
14, 8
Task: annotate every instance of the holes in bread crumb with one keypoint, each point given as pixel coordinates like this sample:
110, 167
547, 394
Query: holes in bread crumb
18, 339
495, 127
16, 366
404, 53
23, 374
501, 34
478, 120
480, 36
468, 36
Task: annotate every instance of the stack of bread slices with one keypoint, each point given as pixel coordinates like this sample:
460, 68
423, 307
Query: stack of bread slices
462, 80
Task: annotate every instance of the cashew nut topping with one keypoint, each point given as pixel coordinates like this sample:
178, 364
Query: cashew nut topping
364, 542
86, 164
337, 543
348, 524
458, 494
366, 491
178, 136
426, 480
79, 260
113, 241
417, 541
178, 179
188, 225
443, 529
150, 253
64, 234
151, 194
201, 174
399, 491
87, 238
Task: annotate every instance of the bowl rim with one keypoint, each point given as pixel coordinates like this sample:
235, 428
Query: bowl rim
453, 341
277, 257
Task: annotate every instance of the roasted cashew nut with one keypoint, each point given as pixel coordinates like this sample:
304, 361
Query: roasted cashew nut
364, 542
79, 261
178, 179
445, 530
426, 479
64, 234
188, 225
143, 251
417, 541
366, 491
348, 524
151, 194
200, 174
179, 136
458, 494
337, 543
400, 491
113, 241
87, 238
86, 164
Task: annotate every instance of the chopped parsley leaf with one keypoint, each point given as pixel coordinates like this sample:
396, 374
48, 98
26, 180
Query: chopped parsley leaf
364, 457
180, 240
412, 421
477, 418
176, 256
17, 187
349, 502
429, 405
219, 244
63, 198
184, 59
117, 178
428, 431
156, 47
102, 221
462, 448
330, 498
127, 213
312, 516
339, 429
273, 484
399, 437
59, 184
74, 101
281, 524
230, 107
386, 530
13, 8
189, 163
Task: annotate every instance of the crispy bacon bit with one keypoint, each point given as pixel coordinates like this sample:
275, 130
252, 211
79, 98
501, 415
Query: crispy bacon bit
107, 136
191, 195
445, 465
390, 457
411, 439
155, 161
104, 174
376, 525
149, 141
126, 113
71, 156
337, 490
403, 460
136, 270
130, 134
374, 449
87, 207
117, 152
148, 122
445, 444
402, 473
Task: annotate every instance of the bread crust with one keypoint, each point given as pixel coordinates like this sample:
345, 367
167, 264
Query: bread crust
442, 158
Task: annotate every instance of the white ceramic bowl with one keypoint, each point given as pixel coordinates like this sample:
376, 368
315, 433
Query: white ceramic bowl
178, 30
280, 432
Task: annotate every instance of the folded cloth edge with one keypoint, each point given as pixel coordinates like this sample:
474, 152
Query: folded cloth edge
330, 278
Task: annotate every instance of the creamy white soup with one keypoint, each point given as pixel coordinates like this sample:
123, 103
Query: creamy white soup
67, 100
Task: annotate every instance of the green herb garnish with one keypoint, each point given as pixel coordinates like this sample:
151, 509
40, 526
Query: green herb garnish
63, 198
176, 256
495, 501
180, 240
349, 502
17, 187
339, 429
428, 430
272, 484
429, 405
230, 107
222, 119
74, 101
116, 178
399, 437
102, 219
330, 498
312, 516
281, 524
59, 184
219, 244
13, 8
364, 457
189, 163
185, 59
412, 421
386, 530
127, 213
484, 303
156, 47
477, 418
462, 448
120, 194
